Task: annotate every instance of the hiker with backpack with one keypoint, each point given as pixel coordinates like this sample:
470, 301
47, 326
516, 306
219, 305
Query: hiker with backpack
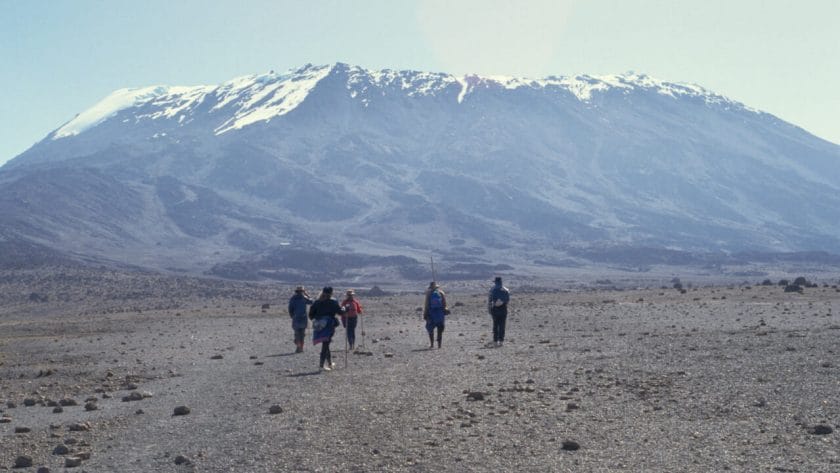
323, 315
297, 312
497, 304
435, 311
351, 317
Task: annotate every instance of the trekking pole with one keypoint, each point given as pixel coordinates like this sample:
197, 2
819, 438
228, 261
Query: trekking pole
345, 348
432, 259
362, 320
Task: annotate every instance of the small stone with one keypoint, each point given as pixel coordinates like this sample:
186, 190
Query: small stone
72, 462
182, 460
29, 402
475, 396
216, 357
181, 411
388, 355
570, 445
139, 411
79, 427
275, 409
42, 469
22, 430
66, 402
61, 450
820, 429
134, 396
83, 455
23, 461
91, 406
571, 406
11, 404
5, 420
58, 410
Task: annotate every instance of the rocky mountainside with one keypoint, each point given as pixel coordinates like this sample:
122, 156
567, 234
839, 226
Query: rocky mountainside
388, 166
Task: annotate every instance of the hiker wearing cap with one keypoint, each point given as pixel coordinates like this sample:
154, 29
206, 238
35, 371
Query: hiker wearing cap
497, 304
351, 316
434, 313
297, 311
322, 313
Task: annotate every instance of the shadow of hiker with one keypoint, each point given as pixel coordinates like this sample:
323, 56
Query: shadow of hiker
291, 353
308, 373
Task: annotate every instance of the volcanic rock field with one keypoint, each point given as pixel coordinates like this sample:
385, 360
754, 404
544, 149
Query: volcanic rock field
113, 371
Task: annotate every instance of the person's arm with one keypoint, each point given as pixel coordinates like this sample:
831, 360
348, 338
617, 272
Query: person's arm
312, 311
426, 305
490, 301
291, 308
358, 307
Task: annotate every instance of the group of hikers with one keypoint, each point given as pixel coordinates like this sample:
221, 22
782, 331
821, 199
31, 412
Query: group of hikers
324, 312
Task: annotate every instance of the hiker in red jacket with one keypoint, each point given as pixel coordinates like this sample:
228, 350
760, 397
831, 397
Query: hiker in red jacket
351, 316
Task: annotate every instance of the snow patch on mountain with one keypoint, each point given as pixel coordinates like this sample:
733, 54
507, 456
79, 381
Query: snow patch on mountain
258, 98
109, 106
263, 97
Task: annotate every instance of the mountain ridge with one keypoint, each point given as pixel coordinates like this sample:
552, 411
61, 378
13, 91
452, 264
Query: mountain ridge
400, 163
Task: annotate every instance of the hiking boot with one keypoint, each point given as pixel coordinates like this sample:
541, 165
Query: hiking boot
327, 367
298, 349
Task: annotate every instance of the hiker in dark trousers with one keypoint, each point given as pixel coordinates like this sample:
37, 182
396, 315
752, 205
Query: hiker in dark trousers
297, 311
434, 313
351, 317
322, 313
497, 304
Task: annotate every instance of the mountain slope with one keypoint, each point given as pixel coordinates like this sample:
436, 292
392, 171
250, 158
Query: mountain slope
341, 158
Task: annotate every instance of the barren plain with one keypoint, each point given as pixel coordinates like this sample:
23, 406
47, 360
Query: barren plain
138, 373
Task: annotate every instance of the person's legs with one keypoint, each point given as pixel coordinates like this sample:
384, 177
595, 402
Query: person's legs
502, 322
440, 333
325, 348
328, 353
495, 328
299, 336
351, 331
430, 327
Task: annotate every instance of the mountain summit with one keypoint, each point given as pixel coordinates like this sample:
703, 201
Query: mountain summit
484, 169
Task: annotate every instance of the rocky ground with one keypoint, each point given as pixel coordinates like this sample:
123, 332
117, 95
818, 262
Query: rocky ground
146, 373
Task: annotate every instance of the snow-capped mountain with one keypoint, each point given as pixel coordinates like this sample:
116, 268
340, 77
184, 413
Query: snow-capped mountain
483, 169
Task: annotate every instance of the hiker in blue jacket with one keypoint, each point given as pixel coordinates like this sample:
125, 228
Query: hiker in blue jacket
434, 313
497, 305
297, 312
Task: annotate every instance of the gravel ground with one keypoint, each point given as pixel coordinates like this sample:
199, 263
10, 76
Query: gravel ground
715, 379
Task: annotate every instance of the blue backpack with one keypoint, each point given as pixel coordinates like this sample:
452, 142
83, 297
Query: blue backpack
435, 301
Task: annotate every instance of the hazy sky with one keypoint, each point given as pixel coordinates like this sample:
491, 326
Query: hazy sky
59, 57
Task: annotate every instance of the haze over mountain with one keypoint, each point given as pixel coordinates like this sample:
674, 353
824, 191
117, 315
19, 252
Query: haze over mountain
262, 175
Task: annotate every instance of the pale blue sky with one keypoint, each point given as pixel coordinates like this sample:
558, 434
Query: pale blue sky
59, 57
